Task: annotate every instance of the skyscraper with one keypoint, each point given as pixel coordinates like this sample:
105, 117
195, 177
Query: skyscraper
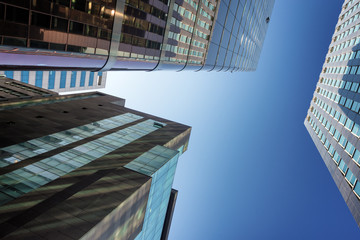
333, 117
83, 166
210, 35
60, 81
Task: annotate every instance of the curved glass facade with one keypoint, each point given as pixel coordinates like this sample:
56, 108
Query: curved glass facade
132, 34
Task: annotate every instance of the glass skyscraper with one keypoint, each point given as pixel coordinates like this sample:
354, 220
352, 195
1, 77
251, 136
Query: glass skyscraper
333, 117
210, 35
60, 81
83, 166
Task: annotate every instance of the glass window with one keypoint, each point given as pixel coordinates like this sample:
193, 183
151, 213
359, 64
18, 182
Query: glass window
40, 20
356, 130
82, 79
355, 107
350, 149
342, 166
18, 15
25, 76
78, 5
331, 150
63, 79
350, 177
51, 83
57, 47
38, 79
349, 124
91, 79
90, 31
76, 28
59, 24
39, 44
9, 74
73, 79
356, 156
336, 157
15, 42
342, 119
342, 141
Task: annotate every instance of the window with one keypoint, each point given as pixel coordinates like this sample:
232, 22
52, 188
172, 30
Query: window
356, 156
342, 141
9, 74
331, 150
63, 79
342, 119
356, 130
40, 20
17, 15
51, 80
355, 107
82, 79
348, 103
350, 149
91, 79
25, 76
350, 177
349, 124
337, 157
76, 28
342, 166
59, 24
38, 79
73, 79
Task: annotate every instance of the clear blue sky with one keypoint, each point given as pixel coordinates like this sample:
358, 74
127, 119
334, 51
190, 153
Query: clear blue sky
251, 171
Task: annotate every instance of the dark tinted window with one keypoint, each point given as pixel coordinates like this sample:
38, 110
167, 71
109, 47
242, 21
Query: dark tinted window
77, 28
105, 34
20, 3
90, 31
95, 9
58, 47
62, 2
78, 5
38, 44
17, 15
15, 42
59, 24
40, 20
2, 9
72, 48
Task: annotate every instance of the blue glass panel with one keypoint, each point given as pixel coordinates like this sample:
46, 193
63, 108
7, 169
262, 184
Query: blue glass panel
25, 76
222, 13
91, 79
38, 78
73, 79
82, 79
63, 79
51, 83
225, 39
100, 74
9, 74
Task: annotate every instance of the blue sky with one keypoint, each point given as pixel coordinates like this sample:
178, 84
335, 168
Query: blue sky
251, 171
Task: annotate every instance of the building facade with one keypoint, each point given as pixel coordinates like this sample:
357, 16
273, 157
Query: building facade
333, 120
83, 166
210, 35
60, 81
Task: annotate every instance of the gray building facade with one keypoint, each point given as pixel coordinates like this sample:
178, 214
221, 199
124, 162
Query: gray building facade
210, 35
83, 166
333, 120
